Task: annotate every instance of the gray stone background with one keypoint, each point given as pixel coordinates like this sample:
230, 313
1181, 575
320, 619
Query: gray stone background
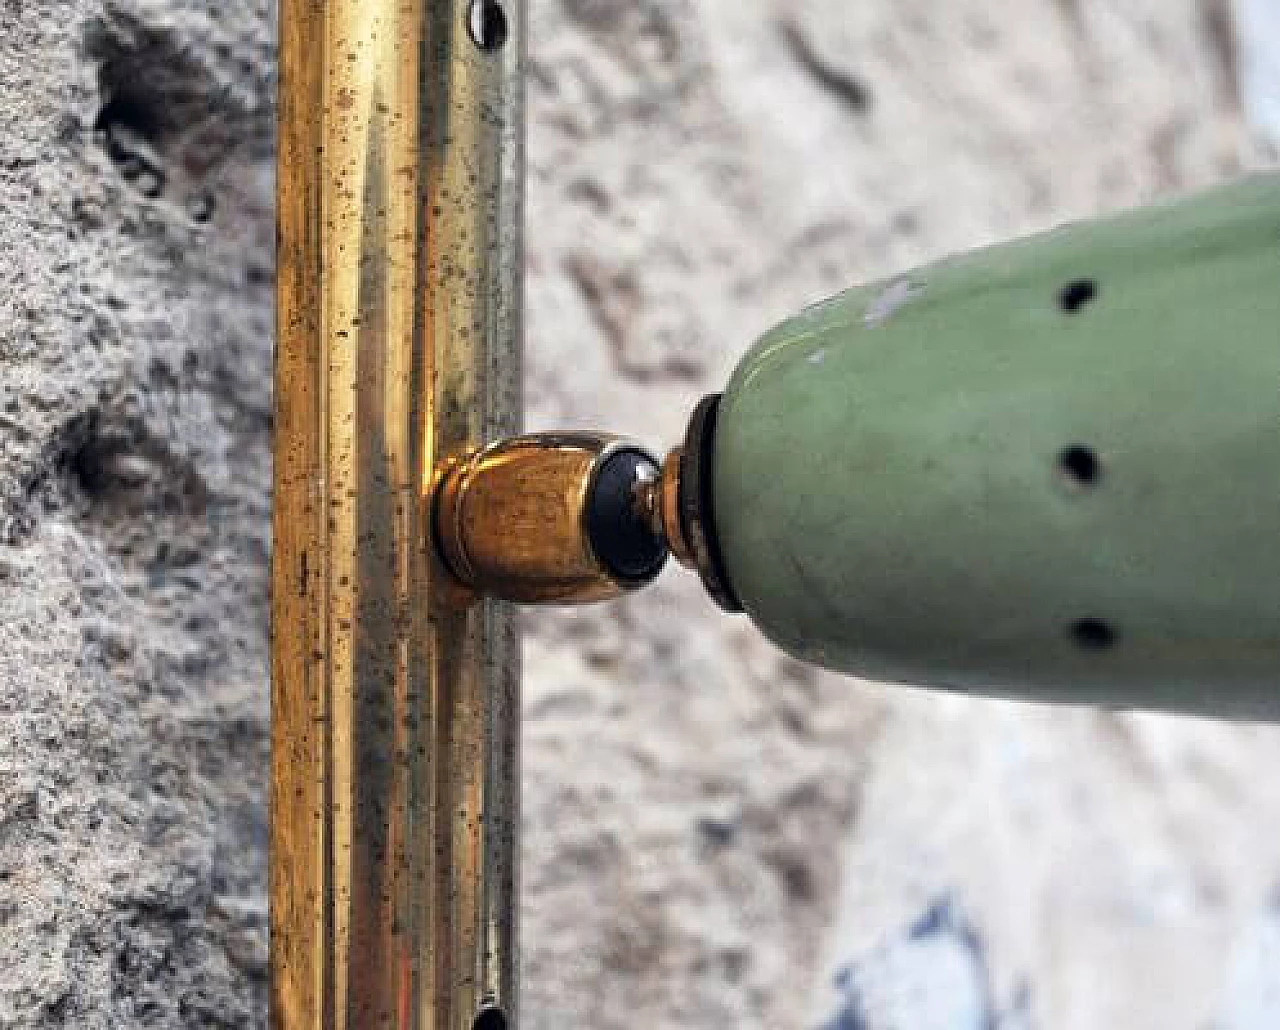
694, 801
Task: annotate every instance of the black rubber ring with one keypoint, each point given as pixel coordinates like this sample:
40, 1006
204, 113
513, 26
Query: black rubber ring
696, 499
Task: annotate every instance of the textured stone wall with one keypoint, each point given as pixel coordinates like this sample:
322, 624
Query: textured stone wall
135, 342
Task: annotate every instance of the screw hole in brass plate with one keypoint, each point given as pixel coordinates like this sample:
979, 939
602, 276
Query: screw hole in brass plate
490, 1019
487, 22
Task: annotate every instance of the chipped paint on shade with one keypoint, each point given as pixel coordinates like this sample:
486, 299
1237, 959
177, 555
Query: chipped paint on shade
888, 303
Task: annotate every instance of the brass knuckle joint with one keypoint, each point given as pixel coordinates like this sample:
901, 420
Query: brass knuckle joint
570, 518
549, 518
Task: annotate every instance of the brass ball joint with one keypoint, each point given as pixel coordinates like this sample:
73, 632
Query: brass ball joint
576, 517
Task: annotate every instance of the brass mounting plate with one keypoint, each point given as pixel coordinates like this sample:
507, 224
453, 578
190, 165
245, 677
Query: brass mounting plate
395, 730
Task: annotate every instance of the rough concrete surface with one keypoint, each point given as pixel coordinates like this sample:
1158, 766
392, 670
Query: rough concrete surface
693, 800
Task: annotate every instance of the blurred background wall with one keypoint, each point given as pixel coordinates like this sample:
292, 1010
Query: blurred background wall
714, 835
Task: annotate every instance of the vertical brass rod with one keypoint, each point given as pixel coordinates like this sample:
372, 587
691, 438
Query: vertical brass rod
395, 705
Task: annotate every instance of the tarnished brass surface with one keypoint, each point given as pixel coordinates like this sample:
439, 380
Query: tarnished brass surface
395, 707
665, 509
511, 519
